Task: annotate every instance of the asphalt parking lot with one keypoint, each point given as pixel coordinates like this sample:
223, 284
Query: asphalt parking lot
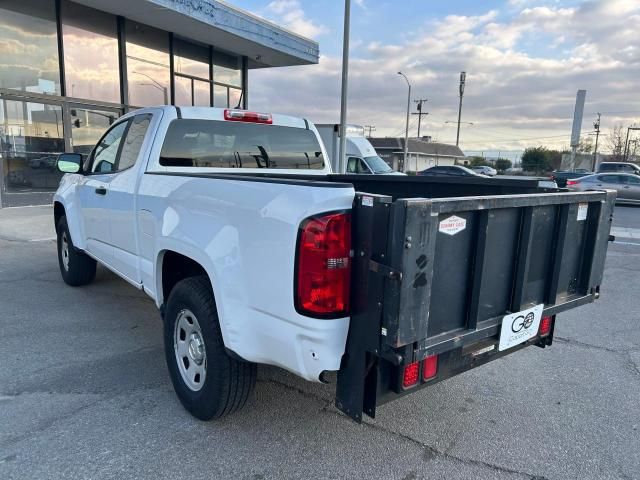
84, 393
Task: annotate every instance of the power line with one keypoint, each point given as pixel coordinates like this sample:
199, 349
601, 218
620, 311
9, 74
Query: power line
371, 128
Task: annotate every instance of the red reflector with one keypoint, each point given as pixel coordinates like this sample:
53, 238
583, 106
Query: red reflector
243, 116
429, 367
324, 265
573, 182
545, 326
410, 376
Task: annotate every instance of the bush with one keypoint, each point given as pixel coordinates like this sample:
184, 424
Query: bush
535, 159
503, 164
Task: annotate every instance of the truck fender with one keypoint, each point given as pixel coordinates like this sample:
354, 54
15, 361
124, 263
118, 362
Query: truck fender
172, 245
65, 203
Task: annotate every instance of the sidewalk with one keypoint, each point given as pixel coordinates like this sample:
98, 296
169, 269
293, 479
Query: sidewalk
624, 232
27, 224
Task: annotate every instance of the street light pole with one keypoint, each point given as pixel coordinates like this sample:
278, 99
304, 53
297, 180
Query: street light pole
596, 125
341, 164
406, 131
463, 77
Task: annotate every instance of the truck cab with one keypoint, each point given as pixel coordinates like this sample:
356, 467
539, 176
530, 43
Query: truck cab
361, 157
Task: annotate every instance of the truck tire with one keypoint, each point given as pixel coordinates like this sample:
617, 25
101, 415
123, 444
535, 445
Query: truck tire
76, 268
208, 382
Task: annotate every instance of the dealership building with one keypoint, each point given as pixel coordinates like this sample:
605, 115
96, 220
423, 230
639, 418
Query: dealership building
68, 69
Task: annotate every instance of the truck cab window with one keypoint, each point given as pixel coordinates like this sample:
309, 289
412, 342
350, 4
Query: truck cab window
119, 148
133, 141
353, 165
106, 152
223, 144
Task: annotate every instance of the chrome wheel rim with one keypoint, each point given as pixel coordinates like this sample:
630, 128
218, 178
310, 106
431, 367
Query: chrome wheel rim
189, 349
65, 251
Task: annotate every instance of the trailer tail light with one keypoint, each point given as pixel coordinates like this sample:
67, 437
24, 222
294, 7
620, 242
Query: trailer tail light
244, 116
545, 326
323, 269
429, 367
410, 375
573, 182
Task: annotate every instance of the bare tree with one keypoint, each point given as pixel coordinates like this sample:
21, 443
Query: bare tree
615, 142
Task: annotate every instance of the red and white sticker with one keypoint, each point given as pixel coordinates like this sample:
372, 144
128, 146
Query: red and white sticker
452, 225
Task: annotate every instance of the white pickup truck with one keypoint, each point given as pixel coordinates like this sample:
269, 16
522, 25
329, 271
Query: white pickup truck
232, 222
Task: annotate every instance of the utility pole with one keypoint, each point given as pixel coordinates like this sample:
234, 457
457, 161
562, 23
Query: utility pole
371, 128
420, 113
596, 125
406, 131
463, 78
345, 79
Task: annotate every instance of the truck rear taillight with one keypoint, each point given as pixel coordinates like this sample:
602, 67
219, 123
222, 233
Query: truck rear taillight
251, 117
429, 367
323, 269
411, 375
545, 326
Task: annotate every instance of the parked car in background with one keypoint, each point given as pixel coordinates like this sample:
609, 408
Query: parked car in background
485, 170
561, 176
626, 184
449, 171
43, 162
622, 167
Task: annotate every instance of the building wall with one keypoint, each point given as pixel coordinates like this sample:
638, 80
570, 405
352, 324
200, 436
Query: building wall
68, 71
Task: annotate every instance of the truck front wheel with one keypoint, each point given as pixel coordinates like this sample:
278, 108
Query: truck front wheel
208, 382
76, 268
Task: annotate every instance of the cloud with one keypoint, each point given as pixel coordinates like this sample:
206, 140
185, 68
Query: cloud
291, 15
520, 87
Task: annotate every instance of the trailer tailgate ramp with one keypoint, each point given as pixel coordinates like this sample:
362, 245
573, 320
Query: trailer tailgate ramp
433, 276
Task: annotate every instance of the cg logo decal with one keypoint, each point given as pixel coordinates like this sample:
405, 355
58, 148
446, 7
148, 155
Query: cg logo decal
522, 322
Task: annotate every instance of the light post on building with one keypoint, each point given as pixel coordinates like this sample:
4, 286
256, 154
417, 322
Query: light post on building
406, 131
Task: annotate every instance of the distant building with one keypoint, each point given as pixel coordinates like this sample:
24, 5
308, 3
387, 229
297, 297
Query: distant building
422, 154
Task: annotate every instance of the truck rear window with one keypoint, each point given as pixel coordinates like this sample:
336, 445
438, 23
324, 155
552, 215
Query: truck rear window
223, 144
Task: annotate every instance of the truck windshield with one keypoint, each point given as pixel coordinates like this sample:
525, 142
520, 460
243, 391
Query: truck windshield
377, 164
223, 144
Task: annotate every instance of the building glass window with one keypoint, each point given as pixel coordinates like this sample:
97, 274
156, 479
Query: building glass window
191, 71
227, 77
31, 137
87, 75
147, 65
220, 96
29, 46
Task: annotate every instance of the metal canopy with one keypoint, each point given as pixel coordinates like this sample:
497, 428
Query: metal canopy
227, 28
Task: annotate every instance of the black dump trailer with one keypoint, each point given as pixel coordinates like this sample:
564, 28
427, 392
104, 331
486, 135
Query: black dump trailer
442, 283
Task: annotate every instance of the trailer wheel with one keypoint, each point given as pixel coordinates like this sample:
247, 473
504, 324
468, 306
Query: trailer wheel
76, 268
208, 382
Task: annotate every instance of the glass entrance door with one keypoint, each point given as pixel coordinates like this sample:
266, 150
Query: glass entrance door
31, 137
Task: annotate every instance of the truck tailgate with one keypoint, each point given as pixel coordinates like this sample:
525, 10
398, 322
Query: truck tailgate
433, 275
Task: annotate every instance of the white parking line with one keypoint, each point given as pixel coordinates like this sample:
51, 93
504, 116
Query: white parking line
48, 239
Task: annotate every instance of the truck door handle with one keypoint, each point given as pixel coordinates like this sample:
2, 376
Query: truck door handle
101, 191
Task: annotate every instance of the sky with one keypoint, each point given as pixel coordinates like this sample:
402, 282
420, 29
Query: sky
525, 60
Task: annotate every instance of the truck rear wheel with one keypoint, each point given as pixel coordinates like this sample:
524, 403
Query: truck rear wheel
76, 268
208, 382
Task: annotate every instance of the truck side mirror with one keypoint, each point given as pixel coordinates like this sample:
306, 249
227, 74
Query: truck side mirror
69, 163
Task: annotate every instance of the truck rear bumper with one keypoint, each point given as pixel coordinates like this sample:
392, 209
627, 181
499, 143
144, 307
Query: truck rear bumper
306, 349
